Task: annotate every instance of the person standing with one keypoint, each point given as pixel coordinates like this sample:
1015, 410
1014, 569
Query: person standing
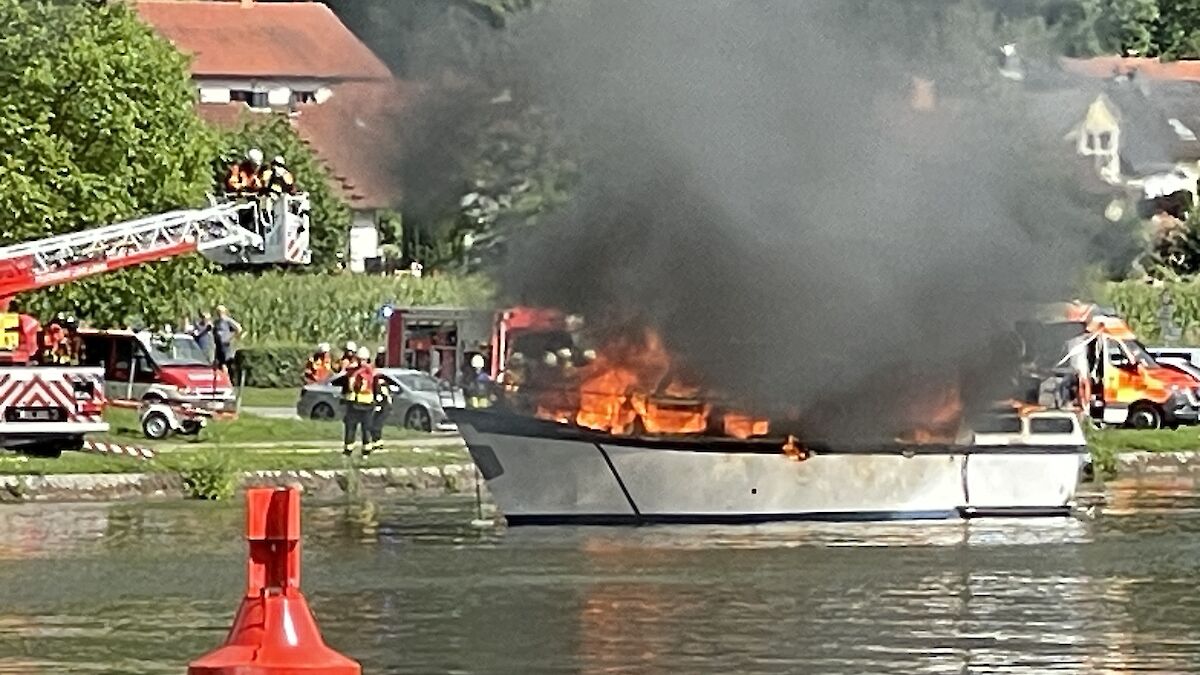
383, 410
358, 393
225, 329
203, 334
349, 360
319, 365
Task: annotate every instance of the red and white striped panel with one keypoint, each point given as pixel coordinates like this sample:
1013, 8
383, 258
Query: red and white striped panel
113, 449
27, 388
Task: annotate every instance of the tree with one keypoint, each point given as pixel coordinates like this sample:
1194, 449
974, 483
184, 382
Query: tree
97, 124
1178, 34
273, 134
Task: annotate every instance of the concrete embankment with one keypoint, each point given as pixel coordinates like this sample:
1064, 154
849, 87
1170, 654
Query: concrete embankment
1147, 464
426, 480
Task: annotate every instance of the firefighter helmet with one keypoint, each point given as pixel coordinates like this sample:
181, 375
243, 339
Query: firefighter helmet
255, 155
351, 347
323, 348
363, 353
477, 361
278, 161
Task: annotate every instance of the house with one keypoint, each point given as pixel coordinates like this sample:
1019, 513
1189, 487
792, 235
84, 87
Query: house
300, 60
1138, 132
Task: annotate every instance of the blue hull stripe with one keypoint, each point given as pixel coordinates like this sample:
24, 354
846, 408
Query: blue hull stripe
751, 518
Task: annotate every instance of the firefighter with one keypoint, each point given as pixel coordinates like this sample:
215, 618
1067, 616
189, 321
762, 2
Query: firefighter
381, 413
52, 337
277, 180
478, 384
381, 357
349, 358
242, 177
319, 365
358, 392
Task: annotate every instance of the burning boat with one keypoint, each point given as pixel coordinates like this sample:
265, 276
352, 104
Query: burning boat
626, 438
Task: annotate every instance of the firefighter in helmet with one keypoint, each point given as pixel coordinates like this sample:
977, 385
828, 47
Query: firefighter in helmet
349, 358
277, 180
358, 393
478, 384
242, 177
319, 365
382, 411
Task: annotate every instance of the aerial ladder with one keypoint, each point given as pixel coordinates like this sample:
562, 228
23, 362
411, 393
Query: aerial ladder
45, 409
228, 233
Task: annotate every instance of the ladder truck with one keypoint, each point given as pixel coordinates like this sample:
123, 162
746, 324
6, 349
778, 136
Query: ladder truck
46, 409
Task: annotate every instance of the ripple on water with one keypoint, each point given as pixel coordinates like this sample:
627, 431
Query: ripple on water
409, 586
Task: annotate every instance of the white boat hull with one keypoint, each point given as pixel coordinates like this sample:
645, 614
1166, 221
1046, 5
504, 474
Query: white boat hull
575, 476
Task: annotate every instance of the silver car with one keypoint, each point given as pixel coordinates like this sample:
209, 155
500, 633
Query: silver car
416, 403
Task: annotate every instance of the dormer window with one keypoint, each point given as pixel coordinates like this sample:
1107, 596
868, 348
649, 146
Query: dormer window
254, 99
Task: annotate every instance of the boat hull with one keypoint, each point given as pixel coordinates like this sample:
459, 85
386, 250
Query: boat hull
544, 473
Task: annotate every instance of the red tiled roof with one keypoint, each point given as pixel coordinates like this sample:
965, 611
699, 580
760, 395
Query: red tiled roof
1108, 66
263, 39
353, 134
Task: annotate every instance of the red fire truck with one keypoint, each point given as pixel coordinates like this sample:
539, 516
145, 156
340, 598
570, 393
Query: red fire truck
46, 409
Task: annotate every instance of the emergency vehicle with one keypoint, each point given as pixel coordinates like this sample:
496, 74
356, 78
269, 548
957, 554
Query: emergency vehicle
147, 367
1119, 382
46, 409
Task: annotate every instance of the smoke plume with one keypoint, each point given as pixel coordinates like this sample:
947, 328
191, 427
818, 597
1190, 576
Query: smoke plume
758, 184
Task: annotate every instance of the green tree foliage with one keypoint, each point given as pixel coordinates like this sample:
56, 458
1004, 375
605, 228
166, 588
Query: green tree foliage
1179, 29
274, 135
96, 125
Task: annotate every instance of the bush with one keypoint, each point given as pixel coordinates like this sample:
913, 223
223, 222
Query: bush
209, 474
274, 366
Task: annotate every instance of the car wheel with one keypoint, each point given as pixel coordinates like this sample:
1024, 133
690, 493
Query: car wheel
1145, 417
322, 411
156, 426
418, 419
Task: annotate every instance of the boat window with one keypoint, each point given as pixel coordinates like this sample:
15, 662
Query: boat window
1051, 425
998, 424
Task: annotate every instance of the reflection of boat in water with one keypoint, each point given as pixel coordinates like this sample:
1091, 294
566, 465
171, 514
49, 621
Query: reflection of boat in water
543, 472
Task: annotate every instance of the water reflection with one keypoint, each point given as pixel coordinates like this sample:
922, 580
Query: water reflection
414, 586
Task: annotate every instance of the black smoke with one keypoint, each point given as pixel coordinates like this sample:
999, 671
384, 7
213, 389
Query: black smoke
757, 184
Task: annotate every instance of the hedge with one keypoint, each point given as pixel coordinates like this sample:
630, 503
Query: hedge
273, 366
282, 308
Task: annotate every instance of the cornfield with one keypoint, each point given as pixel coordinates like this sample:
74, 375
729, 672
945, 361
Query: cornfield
302, 309
1141, 305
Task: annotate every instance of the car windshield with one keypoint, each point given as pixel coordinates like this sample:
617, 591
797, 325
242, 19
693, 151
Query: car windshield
176, 350
418, 382
1138, 353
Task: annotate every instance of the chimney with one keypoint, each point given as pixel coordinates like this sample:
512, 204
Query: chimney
924, 94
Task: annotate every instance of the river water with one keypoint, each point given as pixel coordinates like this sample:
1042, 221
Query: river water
413, 587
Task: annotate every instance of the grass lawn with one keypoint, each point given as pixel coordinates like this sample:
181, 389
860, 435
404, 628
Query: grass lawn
247, 428
258, 397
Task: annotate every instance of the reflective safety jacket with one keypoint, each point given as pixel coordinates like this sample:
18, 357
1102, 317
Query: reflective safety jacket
359, 386
383, 392
318, 368
278, 180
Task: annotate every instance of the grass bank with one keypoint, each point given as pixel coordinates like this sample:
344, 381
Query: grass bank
248, 428
264, 397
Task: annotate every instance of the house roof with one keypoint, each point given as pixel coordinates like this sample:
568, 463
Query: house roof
1155, 115
263, 39
353, 134
1108, 66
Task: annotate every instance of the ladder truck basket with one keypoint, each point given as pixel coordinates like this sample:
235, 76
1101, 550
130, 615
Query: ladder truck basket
267, 231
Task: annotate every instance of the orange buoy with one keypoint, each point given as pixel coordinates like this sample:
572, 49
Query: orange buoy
274, 631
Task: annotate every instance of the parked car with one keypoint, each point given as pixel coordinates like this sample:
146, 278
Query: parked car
415, 400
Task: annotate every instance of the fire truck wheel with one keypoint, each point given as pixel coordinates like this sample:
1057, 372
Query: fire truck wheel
1144, 416
322, 411
156, 426
417, 418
